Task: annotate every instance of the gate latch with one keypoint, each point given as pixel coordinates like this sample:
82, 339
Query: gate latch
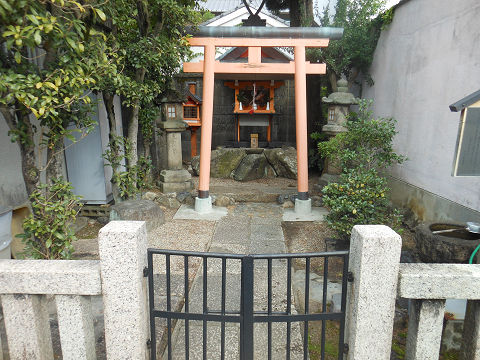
350, 277
345, 348
145, 271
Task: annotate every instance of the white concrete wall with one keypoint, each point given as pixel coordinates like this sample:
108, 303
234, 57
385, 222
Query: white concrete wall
425, 60
12, 186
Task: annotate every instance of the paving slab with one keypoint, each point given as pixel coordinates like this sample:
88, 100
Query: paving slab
187, 212
317, 214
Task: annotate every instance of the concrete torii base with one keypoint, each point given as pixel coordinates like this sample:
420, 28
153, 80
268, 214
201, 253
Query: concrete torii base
303, 212
203, 210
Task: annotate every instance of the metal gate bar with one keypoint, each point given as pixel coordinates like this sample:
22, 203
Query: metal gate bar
246, 317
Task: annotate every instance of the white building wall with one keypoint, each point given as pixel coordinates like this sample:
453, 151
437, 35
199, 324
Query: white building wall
425, 60
12, 186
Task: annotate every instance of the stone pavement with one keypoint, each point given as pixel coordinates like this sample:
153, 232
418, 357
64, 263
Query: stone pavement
249, 228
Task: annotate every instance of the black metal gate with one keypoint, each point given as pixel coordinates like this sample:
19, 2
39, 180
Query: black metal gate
247, 316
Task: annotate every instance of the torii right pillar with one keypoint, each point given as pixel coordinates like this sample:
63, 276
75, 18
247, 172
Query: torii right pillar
303, 203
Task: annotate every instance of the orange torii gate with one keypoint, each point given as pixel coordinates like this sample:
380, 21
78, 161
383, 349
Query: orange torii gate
255, 38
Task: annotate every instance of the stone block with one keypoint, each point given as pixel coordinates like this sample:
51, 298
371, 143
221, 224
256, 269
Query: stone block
173, 187
123, 254
374, 261
333, 290
439, 281
174, 176
76, 277
139, 210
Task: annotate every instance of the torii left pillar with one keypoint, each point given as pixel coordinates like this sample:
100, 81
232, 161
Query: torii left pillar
203, 202
255, 38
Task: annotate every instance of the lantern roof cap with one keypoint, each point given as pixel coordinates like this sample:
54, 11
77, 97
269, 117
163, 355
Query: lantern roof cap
342, 96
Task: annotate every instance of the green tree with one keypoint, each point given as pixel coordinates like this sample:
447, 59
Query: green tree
364, 152
147, 36
51, 57
353, 54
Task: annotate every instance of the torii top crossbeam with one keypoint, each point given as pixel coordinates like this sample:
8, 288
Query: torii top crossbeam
255, 38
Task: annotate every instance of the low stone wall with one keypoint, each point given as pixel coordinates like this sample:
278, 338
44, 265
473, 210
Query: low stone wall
250, 164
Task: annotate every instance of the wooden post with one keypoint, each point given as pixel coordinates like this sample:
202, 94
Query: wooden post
193, 141
207, 119
301, 122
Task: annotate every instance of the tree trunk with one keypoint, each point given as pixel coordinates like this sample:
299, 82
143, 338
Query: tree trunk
306, 12
54, 162
332, 77
295, 17
109, 105
133, 124
30, 171
353, 76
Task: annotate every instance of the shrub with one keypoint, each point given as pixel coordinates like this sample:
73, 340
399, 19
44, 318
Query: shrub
363, 152
48, 233
133, 178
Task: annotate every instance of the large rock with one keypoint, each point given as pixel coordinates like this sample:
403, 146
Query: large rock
283, 160
223, 162
252, 167
195, 164
139, 210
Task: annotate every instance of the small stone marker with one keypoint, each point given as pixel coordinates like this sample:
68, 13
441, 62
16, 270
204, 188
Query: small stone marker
254, 141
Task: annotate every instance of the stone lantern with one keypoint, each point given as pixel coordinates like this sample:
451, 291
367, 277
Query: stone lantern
338, 108
174, 178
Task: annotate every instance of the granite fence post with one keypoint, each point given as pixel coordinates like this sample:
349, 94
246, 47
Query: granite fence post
471, 331
27, 327
75, 325
425, 329
123, 256
374, 261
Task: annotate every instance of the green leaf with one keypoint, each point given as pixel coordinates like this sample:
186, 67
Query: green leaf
18, 57
37, 38
71, 43
101, 14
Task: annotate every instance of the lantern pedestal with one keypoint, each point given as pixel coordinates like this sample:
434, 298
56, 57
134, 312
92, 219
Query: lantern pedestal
174, 178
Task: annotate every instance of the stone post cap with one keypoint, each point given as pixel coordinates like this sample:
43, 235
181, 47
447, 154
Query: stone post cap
173, 126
